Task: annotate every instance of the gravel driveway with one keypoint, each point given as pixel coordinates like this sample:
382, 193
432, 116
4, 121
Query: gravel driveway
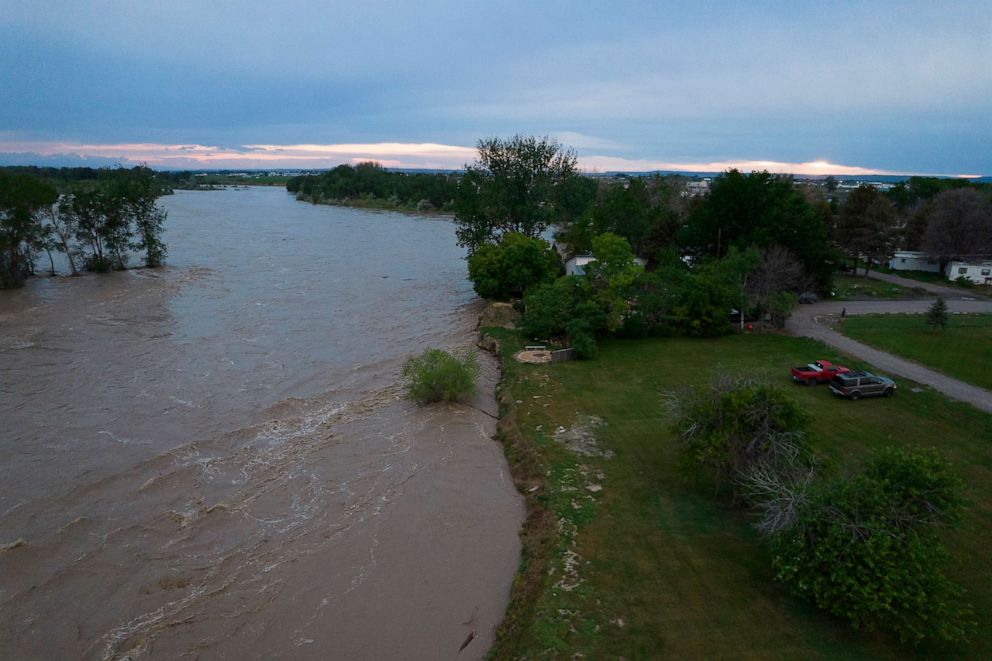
815, 320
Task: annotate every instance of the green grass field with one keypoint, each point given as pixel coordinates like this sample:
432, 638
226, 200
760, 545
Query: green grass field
859, 288
655, 566
963, 350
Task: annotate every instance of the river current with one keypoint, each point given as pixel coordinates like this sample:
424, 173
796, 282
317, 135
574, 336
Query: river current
214, 459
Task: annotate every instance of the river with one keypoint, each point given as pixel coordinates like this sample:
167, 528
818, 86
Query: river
214, 459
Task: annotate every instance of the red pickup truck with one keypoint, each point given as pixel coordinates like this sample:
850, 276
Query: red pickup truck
820, 371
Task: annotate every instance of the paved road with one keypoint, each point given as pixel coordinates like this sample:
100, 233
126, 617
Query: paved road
812, 321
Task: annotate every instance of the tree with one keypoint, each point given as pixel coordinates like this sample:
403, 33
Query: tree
63, 231
609, 278
734, 424
865, 548
777, 275
760, 210
22, 199
867, 226
959, 226
516, 185
139, 193
508, 269
937, 316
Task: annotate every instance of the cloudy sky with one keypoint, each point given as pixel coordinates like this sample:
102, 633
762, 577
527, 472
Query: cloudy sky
902, 87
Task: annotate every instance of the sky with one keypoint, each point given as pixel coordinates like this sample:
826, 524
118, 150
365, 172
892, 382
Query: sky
804, 87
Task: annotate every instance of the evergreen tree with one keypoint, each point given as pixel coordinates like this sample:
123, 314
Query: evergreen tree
937, 316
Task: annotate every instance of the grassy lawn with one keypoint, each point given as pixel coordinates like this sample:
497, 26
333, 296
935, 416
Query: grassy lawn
963, 350
859, 288
651, 565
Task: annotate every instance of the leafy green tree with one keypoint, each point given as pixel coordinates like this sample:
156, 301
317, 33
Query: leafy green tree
734, 272
63, 231
867, 226
139, 193
23, 198
655, 296
760, 210
508, 269
937, 316
865, 548
549, 307
516, 185
437, 376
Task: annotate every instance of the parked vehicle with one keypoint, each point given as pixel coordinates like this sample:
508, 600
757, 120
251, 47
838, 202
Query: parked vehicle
807, 297
820, 371
855, 385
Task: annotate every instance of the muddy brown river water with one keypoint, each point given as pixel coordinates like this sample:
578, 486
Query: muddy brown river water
214, 459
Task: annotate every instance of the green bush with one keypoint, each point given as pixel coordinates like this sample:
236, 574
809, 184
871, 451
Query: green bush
736, 424
865, 548
507, 270
438, 376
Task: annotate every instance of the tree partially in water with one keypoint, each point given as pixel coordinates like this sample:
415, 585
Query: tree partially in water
23, 198
96, 223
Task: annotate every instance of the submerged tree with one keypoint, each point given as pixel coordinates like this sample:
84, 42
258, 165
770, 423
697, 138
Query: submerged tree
22, 199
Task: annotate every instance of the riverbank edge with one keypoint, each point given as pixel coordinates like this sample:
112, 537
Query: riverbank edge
379, 204
537, 535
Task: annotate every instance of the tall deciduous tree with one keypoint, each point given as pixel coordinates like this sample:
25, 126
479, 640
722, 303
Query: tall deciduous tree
760, 210
508, 269
959, 226
867, 226
139, 196
22, 199
515, 185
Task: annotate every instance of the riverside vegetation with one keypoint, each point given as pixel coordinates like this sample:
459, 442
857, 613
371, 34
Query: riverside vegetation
437, 376
628, 554
94, 222
608, 502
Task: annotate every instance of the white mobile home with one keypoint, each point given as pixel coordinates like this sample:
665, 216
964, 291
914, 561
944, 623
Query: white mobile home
909, 260
978, 272
577, 265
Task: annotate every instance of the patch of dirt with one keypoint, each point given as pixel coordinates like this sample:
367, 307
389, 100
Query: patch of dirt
533, 356
581, 438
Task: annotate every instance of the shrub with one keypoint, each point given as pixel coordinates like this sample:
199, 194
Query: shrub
507, 270
436, 376
736, 424
937, 316
865, 548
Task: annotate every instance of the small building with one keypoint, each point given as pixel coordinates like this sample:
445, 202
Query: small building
577, 265
910, 260
979, 272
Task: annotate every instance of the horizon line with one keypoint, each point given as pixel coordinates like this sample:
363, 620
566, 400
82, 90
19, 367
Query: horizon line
401, 155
